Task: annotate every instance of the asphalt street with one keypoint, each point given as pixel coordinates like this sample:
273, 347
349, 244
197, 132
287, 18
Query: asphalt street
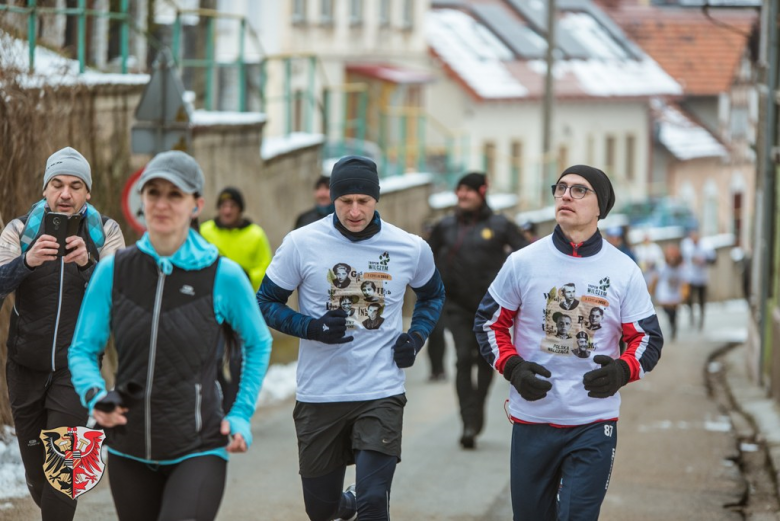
675, 460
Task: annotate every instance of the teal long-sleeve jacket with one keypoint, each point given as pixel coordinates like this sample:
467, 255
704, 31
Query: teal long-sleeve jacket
233, 302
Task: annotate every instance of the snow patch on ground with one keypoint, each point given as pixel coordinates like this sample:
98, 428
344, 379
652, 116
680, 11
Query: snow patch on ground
12, 483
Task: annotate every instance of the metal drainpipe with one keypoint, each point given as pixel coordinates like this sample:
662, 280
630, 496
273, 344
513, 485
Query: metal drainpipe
769, 181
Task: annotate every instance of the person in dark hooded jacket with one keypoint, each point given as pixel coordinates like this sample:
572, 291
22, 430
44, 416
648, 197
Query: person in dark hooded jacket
469, 248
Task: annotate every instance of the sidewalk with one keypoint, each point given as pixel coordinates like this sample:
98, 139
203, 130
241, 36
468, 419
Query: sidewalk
761, 431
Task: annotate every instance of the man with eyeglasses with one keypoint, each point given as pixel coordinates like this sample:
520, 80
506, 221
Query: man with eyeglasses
565, 407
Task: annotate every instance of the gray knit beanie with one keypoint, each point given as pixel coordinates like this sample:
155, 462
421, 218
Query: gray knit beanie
68, 161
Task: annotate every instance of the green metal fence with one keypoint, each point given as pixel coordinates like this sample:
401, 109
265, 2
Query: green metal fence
33, 11
407, 136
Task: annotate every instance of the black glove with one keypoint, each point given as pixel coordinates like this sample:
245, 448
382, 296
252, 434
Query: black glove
522, 375
604, 382
406, 348
329, 328
124, 395
109, 402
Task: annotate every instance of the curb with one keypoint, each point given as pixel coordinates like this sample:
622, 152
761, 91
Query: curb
752, 401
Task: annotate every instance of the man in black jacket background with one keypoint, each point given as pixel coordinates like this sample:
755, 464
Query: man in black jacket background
469, 248
322, 204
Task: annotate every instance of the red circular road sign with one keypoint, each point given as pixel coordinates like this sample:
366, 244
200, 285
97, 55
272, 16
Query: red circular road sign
131, 203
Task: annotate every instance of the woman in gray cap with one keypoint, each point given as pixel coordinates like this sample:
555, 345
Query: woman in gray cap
167, 300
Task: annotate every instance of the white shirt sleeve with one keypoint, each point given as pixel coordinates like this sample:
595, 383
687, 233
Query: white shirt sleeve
425, 265
636, 303
285, 268
505, 288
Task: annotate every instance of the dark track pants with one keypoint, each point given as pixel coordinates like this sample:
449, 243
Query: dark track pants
325, 500
436, 347
471, 394
187, 491
42, 400
561, 474
698, 292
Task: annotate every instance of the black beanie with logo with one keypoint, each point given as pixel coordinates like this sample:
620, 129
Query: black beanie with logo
231, 194
600, 183
477, 181
354, 175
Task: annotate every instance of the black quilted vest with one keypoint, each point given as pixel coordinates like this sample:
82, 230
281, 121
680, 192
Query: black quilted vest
166, 335
47, 304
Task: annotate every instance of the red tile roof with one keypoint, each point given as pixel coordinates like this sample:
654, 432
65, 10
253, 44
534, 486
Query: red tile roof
699, 54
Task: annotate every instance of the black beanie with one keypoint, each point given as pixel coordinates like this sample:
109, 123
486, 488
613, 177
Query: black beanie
322, 181
600, 183
230, 193
474, 180
354, 175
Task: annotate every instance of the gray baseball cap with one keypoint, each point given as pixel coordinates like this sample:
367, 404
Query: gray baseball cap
177, 167
68, 161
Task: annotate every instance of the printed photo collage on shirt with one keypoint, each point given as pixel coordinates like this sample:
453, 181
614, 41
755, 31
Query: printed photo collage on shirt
360, 294
571, 321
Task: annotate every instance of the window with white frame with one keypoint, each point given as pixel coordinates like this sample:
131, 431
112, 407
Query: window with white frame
384, 13
408, 14
355, 12
630, 172
326, 12
299, 11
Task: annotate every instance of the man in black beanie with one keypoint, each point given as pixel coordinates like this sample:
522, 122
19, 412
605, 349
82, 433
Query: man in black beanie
350, 394
322, 204
565, 405
470, 246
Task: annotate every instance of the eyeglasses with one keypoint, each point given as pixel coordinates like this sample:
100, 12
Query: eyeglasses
576, 191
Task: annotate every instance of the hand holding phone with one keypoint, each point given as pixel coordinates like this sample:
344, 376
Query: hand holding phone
61, 226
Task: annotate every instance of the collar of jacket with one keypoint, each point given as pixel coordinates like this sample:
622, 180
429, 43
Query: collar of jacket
374, 227
242, 224
584, 249
480, 214
195, 254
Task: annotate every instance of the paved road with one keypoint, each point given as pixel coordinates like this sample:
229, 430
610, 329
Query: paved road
672, 461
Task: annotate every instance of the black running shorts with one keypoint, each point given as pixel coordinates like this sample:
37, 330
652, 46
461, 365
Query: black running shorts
329, 433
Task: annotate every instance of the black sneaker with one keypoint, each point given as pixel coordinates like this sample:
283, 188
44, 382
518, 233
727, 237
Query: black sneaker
468, 440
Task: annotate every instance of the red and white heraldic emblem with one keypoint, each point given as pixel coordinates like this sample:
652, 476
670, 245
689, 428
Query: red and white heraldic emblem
73, 464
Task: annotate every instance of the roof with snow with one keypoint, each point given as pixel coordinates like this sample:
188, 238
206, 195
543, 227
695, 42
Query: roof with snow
701, 53
54, 69
682, 136
496, 50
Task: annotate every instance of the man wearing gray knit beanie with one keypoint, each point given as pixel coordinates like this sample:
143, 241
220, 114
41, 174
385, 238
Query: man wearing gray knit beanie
49, 280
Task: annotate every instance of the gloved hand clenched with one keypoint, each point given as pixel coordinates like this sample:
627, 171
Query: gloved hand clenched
405, 350
329, 328
522, 375
605, 381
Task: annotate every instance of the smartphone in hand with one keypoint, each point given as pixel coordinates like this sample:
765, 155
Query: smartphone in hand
61, 226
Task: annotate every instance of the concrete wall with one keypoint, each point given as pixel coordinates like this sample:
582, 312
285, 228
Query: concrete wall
280, 188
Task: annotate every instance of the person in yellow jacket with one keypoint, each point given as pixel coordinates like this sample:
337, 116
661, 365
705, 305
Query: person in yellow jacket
245, 243
236, 237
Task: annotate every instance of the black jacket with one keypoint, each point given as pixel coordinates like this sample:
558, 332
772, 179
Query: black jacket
46, 309
311, 216
166, 337
469, 249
